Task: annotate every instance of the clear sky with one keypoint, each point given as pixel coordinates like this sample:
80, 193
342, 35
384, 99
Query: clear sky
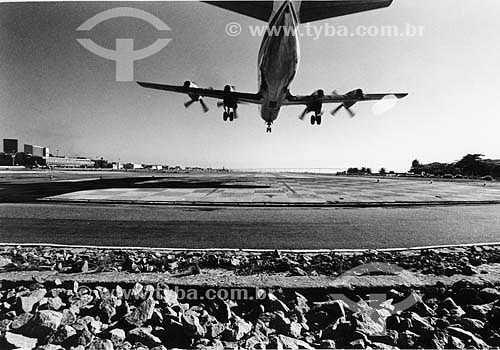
54, 92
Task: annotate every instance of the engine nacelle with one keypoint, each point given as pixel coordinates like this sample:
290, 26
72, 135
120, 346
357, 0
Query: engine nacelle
190, 84
358, 93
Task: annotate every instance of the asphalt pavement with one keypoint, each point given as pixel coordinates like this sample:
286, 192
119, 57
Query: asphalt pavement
233, 227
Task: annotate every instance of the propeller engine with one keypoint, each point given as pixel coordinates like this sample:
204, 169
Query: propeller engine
354, 94
229, 103
194, 97
315, 105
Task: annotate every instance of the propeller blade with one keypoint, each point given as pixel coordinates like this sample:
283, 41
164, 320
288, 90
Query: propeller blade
351, 113
220, 104
303, 114
203, 105
188, 103
336, 109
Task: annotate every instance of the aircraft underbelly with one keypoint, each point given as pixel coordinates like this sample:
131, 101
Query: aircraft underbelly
279, 58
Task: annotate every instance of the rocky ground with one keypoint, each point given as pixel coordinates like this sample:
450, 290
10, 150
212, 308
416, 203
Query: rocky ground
444, 261
61, 314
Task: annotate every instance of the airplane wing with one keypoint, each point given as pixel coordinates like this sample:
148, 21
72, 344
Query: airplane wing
349, 98
195, 92
309, 10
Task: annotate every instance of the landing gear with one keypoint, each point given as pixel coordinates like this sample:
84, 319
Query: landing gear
316, 119
228, 114
268, 127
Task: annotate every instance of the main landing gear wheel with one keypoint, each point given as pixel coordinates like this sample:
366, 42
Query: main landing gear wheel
225, 115
231, 116
316, 118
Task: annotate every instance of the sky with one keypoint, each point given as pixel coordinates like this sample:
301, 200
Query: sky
55, 93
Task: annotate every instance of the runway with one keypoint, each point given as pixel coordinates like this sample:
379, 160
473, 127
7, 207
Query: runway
244, 210
223, 227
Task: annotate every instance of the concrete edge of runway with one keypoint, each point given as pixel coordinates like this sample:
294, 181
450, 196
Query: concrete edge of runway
322, 284
327, 204
305, 251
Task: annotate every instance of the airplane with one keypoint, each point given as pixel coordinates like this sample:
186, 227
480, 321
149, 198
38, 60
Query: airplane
278, 61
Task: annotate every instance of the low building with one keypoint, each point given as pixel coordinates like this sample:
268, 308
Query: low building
36, 151
69, 162
153, 167
132, 166
10, 146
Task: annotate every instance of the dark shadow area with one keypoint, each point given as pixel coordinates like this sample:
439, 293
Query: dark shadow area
29, 192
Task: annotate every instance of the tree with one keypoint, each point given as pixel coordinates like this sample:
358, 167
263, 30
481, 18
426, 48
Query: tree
382, 171
416, 167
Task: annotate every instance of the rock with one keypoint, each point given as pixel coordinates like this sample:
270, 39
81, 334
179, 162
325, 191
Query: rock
26, 301
143, 335
407, 339
257, 341
340, 329
334, 308
295, 329
68, 317
168, 297
297, 271
214, 328
238, 329
301, 304
116, 335
129, 265
107, 308
222, 310
493, 315
5, 262
280, 322
159, 347
471, 324
49, 347
62, 334
19, 341
327, 344
452, 308
467, 337
54, 303
191, 324
489, 295
44, 323
455, 343
292, 343
467, 295
100, 344
19, 322
389, 338
141, 314
78, 302
420, 325
275, 304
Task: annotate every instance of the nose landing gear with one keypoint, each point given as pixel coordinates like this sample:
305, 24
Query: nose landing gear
268, 127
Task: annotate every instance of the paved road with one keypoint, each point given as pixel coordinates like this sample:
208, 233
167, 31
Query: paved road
298, 228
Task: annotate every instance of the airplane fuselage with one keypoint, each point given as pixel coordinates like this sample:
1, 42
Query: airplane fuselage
278, 58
